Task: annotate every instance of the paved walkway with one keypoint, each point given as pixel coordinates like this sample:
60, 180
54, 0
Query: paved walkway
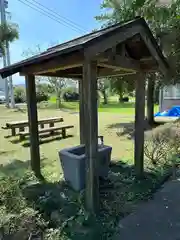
157, 219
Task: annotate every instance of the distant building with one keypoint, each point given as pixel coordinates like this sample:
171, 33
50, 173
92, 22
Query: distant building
169, 96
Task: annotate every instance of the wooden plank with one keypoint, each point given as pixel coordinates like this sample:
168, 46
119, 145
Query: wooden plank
139, 124
162, 65
33, 124
41, 121
121, 63
22, 135
64, 67
91, 141
54, 64
81, 112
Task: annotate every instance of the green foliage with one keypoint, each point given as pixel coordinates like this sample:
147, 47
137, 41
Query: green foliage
163, 20
123, 85
19, 94
162, 144
51, 84
103, 86
41, 96
8, 32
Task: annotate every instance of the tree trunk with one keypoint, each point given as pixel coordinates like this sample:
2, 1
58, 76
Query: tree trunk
120, 90
104, 97
121, 96
58, 99
150, 100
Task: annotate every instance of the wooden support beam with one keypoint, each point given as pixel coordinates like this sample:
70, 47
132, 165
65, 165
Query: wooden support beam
119, 35
139, 124
62, 67
52, 65
156, 53
91, 143
33, 124
122, 62
81, 112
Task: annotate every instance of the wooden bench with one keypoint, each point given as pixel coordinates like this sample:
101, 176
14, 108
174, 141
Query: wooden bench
51, 130
22, 124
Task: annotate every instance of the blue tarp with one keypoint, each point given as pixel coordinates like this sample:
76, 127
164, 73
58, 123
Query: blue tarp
172, 112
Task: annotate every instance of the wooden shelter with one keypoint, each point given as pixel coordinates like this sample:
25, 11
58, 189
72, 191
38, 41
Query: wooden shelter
121, 49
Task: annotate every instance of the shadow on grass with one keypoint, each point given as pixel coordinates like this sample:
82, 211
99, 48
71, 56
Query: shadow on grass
16, 168
128, 128
46, 138
117, 105
20, 109
6, 152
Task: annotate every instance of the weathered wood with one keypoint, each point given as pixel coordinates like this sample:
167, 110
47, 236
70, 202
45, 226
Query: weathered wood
156, 53
139, 124
150, 100
54, 64
21, 129
41, 122
91, 140
118, 36
51, 124
81, 112
13, 131
33, 124
121, 63
51, 130
64, 132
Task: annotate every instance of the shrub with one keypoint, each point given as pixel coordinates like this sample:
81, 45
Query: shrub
70, 96
41, 96
162, 143
19, 94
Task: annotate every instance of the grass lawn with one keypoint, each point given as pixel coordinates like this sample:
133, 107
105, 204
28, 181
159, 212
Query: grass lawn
52, 207
112, 107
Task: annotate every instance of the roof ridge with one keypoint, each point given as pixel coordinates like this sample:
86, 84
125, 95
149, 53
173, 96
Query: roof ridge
98, 31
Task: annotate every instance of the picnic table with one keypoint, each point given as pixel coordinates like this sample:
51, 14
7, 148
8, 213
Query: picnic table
22, 124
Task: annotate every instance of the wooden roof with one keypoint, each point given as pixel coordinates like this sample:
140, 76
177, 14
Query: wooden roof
119, 50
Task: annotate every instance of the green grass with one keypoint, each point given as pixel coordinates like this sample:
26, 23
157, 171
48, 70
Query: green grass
112, 106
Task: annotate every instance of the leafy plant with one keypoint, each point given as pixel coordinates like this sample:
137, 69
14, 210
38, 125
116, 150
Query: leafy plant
162, 144
41, 96
8, 32
19, 94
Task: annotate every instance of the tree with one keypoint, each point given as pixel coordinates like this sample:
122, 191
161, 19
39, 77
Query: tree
122, 85
56, 83
8, 33
103, 85
161, 18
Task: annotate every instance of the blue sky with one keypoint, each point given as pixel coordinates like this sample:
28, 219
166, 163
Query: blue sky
35, 28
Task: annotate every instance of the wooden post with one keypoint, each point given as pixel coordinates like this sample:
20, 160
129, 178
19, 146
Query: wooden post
81, 112
91, 139
139, 125
33, 124
150, 99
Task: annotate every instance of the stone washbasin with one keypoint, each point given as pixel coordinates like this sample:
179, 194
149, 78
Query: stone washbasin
73, 164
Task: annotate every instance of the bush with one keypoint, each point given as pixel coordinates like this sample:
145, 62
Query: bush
70, 96
162, 144
19, 95
41, 96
